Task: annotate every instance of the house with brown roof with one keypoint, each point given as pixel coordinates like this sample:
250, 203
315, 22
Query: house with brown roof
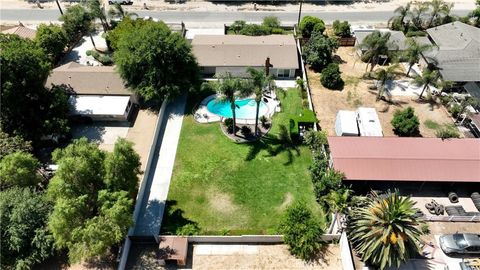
21, 31
401, 159
218, 54
98, 92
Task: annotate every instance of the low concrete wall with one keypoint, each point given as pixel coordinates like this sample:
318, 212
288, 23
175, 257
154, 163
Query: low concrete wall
346, 253
141, 191
260, 239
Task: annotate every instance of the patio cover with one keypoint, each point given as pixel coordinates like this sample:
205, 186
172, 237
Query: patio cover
406, 159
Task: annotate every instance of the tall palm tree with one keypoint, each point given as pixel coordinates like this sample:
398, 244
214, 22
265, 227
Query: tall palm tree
417, 13
261, 85
376, 44
229, 89
98, 12
414, 51
117, 11
439, 7
428, 77
402, 12
383, 75
385, 233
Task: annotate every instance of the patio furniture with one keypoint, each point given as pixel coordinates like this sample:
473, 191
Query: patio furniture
174, 248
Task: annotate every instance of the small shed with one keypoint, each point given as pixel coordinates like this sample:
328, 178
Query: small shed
346, 123
368, 122
101, 108
174, 248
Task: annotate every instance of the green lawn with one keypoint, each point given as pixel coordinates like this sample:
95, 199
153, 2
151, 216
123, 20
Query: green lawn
232, 188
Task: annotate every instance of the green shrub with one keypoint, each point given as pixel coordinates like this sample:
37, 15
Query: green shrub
277, 31
104, 59
405, 123
302, 231
264, 122
255, 30
246, 131
341, 29
447, 132
237, 26
315, 139
425, 229
455, 110
318, 52
271, 22
415, 34
229, 124
330, 77
188, 229
307, 25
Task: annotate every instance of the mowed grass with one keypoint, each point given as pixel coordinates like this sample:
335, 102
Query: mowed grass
229, 188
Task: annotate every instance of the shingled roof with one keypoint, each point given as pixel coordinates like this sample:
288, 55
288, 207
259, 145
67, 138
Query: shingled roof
21, 31
89, 80
245, 51
457, 52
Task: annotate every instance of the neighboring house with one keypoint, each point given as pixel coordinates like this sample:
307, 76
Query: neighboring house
235, 53
98, 92
456, 52
397, 41
21, 31
403, 159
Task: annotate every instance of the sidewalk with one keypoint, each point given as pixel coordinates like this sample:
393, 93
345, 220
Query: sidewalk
156, 189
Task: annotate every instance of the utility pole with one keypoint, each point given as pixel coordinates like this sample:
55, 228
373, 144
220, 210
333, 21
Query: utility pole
299, 13
59, 7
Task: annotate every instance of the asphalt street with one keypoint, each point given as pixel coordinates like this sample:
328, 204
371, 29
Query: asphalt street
215, 16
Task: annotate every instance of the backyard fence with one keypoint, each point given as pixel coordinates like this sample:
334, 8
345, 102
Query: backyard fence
304, 75
259, 239
346, 253
347, 41
141, 191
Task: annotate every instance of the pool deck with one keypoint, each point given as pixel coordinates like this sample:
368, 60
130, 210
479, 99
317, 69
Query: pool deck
203, 115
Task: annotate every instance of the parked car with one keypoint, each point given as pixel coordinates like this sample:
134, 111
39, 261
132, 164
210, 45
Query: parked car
460, 243
121, 2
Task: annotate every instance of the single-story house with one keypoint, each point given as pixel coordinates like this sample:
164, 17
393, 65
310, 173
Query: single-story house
405, 159
21, 31
397, 41
456, 52
97, 92
218, 54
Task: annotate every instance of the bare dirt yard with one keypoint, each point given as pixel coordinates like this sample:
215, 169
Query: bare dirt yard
357, 94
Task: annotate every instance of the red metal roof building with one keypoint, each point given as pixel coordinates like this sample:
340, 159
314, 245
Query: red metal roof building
406, 159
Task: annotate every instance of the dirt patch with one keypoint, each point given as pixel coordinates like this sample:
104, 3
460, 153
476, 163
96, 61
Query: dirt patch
222, 202
357, 94
286, 201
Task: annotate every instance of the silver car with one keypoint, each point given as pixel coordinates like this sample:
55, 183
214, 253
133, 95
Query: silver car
460, 243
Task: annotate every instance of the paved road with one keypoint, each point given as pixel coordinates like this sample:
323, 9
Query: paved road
215, 17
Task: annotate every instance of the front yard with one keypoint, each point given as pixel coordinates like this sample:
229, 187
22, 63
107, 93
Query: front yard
229, 188
356, 94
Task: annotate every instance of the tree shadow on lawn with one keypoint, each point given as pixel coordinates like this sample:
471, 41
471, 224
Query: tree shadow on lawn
173, 218
275, 145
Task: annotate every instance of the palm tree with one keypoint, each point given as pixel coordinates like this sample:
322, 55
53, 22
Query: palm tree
117, 11
402, 13
417, 13
383, 75
428, 77
475, 14
338, 200
97, 12
439, 7
376, 44
261, 84
414, 51
229, 89
385, 233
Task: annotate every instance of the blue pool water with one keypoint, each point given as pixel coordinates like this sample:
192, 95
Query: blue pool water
245, 109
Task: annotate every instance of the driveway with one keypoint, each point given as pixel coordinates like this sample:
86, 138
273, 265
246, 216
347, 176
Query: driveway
103, 133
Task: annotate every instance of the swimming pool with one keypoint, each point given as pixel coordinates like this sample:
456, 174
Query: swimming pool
245, 109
